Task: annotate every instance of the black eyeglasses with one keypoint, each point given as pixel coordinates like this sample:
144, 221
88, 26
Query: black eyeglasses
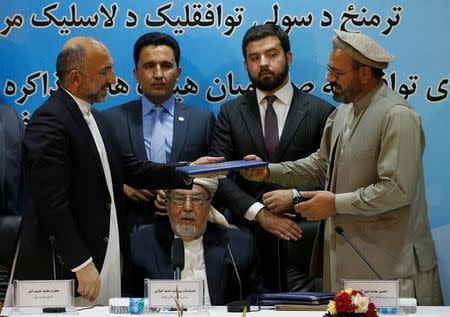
337, 74
180, 200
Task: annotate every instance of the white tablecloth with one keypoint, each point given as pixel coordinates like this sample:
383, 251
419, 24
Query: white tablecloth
219, 311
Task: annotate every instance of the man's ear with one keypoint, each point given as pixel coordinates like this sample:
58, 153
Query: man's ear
74, 78
135, 74
289, 58
365, 73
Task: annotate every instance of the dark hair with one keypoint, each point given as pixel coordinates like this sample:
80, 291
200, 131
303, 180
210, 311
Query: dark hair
156, 38
258, 32
68, 59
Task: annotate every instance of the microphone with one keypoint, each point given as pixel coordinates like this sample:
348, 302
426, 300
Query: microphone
177, 258
340, 231
51, 240
236, 306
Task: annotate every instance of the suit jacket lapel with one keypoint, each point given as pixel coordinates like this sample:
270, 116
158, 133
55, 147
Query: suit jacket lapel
113, 164
214, 250
134, 118
83, 128
252, 118
295, 117
180, 129
163, 260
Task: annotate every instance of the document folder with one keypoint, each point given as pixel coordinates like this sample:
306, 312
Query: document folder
218, 167
295, 298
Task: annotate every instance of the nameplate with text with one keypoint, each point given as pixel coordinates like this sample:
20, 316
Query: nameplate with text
383, 293
162, 293
49, 293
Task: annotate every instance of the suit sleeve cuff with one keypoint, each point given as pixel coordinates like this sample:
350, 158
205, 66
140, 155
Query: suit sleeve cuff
251, 212
79, 267
276, 173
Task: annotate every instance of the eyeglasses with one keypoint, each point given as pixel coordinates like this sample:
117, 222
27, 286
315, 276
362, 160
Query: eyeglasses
337, 74
180, 200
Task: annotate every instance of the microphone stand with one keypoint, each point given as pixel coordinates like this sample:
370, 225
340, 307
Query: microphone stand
340, 231
240, 305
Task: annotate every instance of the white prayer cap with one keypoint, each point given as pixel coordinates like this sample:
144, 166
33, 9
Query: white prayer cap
210, 185
362, 48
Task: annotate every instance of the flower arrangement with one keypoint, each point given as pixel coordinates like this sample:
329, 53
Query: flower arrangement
350, 303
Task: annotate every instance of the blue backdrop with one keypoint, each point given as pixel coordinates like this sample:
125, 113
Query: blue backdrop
210, 34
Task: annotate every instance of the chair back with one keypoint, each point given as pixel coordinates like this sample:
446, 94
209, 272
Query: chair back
9, 237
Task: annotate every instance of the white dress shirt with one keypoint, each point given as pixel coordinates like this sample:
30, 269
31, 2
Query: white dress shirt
194, 264
110, 274
281, 106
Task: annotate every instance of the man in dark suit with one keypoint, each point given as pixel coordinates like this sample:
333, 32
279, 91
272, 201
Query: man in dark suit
186, 131
277, 121
11, 134
210, 247
74, 173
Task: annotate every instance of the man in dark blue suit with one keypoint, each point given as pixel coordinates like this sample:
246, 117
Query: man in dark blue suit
209, 247
183, 132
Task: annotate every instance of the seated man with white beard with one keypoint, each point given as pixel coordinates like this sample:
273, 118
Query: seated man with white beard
205, 234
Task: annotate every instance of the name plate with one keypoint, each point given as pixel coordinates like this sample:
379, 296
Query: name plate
162, 293
383, 293
51, 293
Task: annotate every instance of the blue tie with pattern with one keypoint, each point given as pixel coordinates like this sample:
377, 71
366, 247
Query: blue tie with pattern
158, 146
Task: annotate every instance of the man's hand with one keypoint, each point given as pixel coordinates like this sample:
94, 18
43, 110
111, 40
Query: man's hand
257, 174
278, 225
209, 160
88, 282
321, 205
160, 201
137, 195
278, 200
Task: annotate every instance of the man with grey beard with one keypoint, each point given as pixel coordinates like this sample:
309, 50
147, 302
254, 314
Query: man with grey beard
75, 223
210, 247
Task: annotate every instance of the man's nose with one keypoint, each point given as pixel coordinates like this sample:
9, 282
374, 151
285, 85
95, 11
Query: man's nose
111, 78
158, 73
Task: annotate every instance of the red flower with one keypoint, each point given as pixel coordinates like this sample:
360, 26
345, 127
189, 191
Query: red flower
343, 302
371, 312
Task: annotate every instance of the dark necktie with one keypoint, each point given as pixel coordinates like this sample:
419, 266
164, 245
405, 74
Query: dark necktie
271, 129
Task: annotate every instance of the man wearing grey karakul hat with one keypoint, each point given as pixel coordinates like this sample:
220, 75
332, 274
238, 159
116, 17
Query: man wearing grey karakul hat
370, 164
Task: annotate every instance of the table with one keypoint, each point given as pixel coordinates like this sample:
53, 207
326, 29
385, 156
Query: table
221, 311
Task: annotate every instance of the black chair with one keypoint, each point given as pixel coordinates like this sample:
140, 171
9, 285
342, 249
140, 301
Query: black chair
9, 237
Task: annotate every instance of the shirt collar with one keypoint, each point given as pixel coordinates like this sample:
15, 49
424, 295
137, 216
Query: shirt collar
192, 244
84, 106
284, 94
168, 105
